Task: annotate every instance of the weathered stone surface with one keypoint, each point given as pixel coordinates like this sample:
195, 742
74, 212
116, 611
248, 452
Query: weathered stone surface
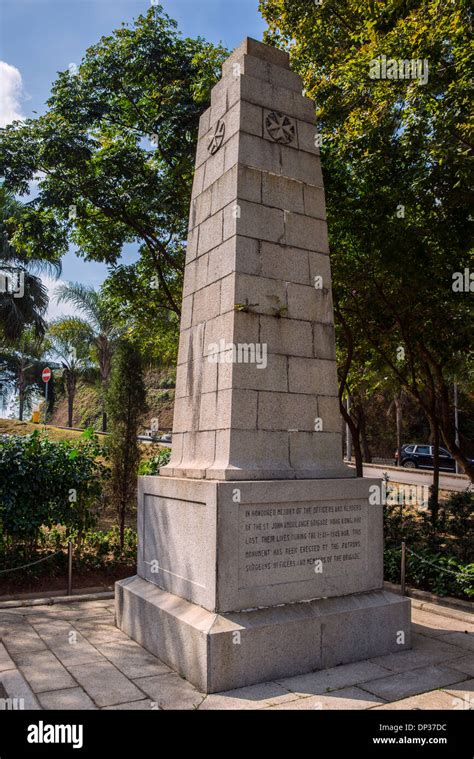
346, 698
6, 662
17, 688
169, 691
273, 642
43, 671
65, 700
256, 49
431, 701
281, 192
105, 684
396, 687
256, 509
178, 517
261, 696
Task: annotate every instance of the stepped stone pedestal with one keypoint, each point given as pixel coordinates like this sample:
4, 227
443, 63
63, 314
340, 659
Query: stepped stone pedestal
259, 553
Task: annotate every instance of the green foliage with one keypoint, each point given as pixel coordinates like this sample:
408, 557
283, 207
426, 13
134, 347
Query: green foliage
118, 142
152, 466
126, 402
21, 365
44, 483
448, 576
24, 302
168, 382
459, 510
100, 550
397, 157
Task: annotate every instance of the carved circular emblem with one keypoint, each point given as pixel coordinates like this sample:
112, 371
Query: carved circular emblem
217, 138
280, 128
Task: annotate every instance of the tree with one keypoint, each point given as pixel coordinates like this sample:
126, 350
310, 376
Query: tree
116, 148
396, 155
21, 366
69, 342
97, 325
23, 296
126, 402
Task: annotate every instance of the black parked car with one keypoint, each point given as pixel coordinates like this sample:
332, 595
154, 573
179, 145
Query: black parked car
421, 457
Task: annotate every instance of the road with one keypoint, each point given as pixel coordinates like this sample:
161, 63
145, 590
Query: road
447, 481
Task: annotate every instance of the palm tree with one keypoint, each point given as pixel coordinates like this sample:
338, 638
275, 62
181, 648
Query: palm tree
23, 296
21, 366
69, 342
100, 325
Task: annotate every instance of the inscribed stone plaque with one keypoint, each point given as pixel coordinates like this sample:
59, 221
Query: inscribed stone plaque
300, 541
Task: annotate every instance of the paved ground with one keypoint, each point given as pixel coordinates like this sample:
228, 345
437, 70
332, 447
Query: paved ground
71, 656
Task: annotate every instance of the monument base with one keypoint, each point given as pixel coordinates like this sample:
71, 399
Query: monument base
218, 652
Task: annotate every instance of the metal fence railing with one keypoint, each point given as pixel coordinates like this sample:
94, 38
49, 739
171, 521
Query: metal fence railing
46, 558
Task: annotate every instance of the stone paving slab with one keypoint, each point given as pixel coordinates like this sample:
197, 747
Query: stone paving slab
145, 705
6, 662
98, 633
420, 680
67, 699
464, 640
131, 659
346, 698
17, 688
463, 691
318, 683
436, 625
105, 669
171, 691
105, 684
21, 639
435, 699
43, 671
424, 651
74, 650
253, 697
464, 664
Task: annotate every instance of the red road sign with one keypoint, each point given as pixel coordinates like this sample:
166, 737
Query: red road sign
46, 375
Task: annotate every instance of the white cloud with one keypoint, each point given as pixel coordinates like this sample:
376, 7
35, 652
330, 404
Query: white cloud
56, 310
11, 94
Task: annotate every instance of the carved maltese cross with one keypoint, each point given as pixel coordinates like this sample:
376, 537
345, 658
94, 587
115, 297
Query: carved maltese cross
217, 138
280, 127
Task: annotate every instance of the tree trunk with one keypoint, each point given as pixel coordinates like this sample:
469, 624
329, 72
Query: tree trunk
355, 434
21, 390
71, 392
363, 435
122, 527
434, 495
342, 385
398, 417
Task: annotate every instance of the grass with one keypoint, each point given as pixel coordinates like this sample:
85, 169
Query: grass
14, 427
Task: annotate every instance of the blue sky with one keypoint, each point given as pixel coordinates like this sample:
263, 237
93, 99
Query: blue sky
40, 37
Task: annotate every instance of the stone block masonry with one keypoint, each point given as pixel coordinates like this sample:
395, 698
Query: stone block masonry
257, 273
259, 554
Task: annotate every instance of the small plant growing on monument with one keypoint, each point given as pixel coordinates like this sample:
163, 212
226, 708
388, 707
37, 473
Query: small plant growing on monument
126, 402
245, 307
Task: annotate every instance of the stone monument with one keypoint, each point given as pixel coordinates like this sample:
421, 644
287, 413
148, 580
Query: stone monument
259, 553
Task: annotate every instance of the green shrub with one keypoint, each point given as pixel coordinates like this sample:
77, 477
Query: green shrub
153, 465
459, 510
45, 483
435, 572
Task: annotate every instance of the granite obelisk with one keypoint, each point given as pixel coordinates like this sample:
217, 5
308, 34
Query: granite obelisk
259, 554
